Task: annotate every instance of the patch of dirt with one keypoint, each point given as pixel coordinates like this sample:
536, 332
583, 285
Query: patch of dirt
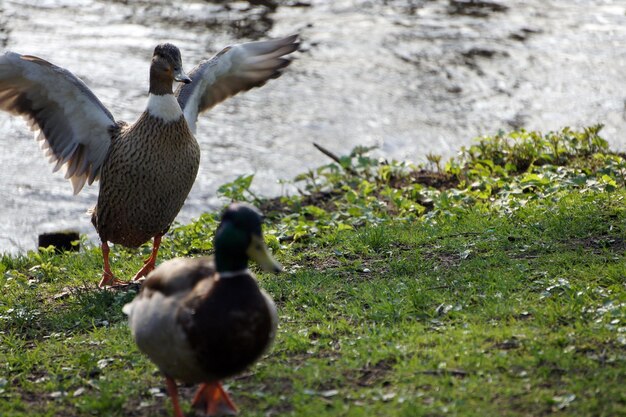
276, 386
326, 200
438, 180
443, 258
161, 406
372, 374
598, 244
508, 344
34, 375
459, 373
158, 407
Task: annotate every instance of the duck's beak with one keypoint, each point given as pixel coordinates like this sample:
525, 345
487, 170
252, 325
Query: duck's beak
260, 253
180, 76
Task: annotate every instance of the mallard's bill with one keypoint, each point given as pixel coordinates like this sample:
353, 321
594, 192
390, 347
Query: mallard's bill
259, 252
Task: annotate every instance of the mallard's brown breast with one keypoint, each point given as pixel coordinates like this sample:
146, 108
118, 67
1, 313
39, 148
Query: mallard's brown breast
229, 327
148, 173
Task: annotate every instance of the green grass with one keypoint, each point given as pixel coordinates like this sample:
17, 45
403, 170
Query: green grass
502, 305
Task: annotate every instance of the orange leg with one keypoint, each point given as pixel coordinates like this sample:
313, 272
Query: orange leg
172, 390
214, 400
108, 280
149, 263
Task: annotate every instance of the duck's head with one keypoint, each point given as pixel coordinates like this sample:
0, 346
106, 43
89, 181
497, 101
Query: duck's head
239, 238
166, 67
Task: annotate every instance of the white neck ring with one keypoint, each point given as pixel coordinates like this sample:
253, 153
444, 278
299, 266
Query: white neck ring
231, 274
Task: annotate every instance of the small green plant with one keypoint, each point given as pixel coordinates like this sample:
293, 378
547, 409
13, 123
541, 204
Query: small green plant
435, 161
238, 190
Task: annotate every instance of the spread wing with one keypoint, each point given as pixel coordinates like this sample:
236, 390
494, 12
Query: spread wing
236, 68
72, 125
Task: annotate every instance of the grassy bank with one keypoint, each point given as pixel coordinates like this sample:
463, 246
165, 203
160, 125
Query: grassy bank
493, 284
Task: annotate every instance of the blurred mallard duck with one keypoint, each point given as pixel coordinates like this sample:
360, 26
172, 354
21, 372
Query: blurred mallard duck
146, 169
202, 320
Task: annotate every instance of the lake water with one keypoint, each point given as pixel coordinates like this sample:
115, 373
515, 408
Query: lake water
411, 77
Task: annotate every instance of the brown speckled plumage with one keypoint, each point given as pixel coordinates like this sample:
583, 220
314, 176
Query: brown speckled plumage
145, 179
148, 168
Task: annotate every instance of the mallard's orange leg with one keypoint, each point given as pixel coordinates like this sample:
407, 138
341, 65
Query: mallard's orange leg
172, 390
108, 280
214, 400
149, 263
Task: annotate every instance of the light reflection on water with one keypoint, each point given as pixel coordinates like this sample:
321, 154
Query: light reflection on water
411, 77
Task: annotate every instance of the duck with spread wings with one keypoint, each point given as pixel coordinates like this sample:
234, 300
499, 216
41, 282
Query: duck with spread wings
146, 169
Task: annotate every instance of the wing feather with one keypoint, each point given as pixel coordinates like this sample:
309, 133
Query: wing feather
73, 126
234, 69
